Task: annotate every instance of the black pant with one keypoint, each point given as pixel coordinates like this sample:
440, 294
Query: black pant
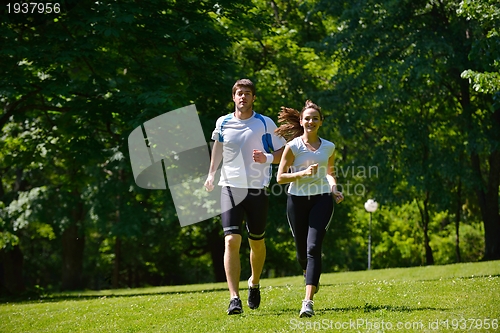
238, 202
309, 218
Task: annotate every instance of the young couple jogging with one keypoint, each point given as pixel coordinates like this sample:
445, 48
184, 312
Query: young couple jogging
247, 143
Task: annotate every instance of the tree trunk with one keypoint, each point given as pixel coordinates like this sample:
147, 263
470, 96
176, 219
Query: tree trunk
216, 244
118, 242
116, 265
488, 202
486, 189
457, 221
492, 216
424, 215
73, 244
11, 263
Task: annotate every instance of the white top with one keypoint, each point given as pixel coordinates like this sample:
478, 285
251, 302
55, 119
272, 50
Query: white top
240, 138
304, 157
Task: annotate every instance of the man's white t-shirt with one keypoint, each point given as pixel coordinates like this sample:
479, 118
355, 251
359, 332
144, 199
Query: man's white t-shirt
239, 138
304, 157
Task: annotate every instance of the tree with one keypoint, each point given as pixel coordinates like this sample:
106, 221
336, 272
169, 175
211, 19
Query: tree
276, 51
486, 80
404, 100
74, 84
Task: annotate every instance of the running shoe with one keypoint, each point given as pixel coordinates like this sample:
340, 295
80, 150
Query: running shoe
235, 306
307, 309
253, 296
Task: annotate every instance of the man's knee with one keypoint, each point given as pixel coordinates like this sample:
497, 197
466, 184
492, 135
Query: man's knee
232, 242
257, 245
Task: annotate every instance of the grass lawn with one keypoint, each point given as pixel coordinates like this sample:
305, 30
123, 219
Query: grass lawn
451, 298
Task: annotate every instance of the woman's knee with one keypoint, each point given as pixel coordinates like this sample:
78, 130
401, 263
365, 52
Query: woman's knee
302, 261
313, 251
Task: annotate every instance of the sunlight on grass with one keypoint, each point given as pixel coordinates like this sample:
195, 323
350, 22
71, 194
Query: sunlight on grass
422, 299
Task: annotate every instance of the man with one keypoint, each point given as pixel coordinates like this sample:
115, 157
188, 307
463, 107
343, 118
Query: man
243, 142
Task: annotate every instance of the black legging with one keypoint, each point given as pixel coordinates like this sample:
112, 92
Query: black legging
309, 217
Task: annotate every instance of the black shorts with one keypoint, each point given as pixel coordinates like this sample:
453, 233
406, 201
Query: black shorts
238, 202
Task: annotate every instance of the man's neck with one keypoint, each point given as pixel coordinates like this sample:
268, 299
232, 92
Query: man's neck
242, 115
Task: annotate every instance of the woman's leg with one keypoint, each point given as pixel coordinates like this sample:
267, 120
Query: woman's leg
319, 217
298, 218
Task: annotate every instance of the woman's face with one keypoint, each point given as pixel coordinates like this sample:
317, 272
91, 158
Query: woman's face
311, 120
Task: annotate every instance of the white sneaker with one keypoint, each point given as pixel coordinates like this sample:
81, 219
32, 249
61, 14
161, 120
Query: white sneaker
307, 309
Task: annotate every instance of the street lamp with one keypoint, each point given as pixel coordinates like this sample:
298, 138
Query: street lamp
370, 206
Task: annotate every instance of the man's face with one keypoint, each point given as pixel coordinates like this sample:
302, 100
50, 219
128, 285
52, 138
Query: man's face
243, 99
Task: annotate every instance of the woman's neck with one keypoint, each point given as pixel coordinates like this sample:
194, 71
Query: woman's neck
310, 137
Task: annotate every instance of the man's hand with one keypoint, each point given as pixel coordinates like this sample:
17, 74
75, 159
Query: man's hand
259, 156
209, 183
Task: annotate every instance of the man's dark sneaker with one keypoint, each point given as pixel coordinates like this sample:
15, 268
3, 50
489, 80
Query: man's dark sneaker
253, 296
235, 306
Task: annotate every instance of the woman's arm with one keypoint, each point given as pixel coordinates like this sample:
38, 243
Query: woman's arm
286, 162
332, 181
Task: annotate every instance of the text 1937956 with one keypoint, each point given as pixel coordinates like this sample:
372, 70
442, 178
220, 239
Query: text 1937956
33, 8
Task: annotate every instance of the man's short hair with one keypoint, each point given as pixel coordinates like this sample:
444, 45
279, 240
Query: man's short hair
244, 83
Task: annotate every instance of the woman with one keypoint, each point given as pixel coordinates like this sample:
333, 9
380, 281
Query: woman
307, 164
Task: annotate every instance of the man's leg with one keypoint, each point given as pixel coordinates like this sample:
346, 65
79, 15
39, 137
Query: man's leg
232, 264
257, 259
255, 205
232, 218
256, 208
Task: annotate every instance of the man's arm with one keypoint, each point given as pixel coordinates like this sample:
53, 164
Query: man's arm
261, 157
215, 161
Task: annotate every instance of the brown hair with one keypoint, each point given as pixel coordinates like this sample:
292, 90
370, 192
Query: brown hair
289, 120
244, 83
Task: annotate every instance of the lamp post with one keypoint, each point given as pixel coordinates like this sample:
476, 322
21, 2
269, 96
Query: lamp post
370, 206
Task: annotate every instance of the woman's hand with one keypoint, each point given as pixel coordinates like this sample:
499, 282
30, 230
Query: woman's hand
311, 170
337, 195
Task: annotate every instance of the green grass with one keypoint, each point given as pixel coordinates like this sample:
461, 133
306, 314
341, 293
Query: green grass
462, 297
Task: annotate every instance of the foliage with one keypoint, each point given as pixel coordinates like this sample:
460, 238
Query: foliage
407, 110
487, 14
409, 130
73, 87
